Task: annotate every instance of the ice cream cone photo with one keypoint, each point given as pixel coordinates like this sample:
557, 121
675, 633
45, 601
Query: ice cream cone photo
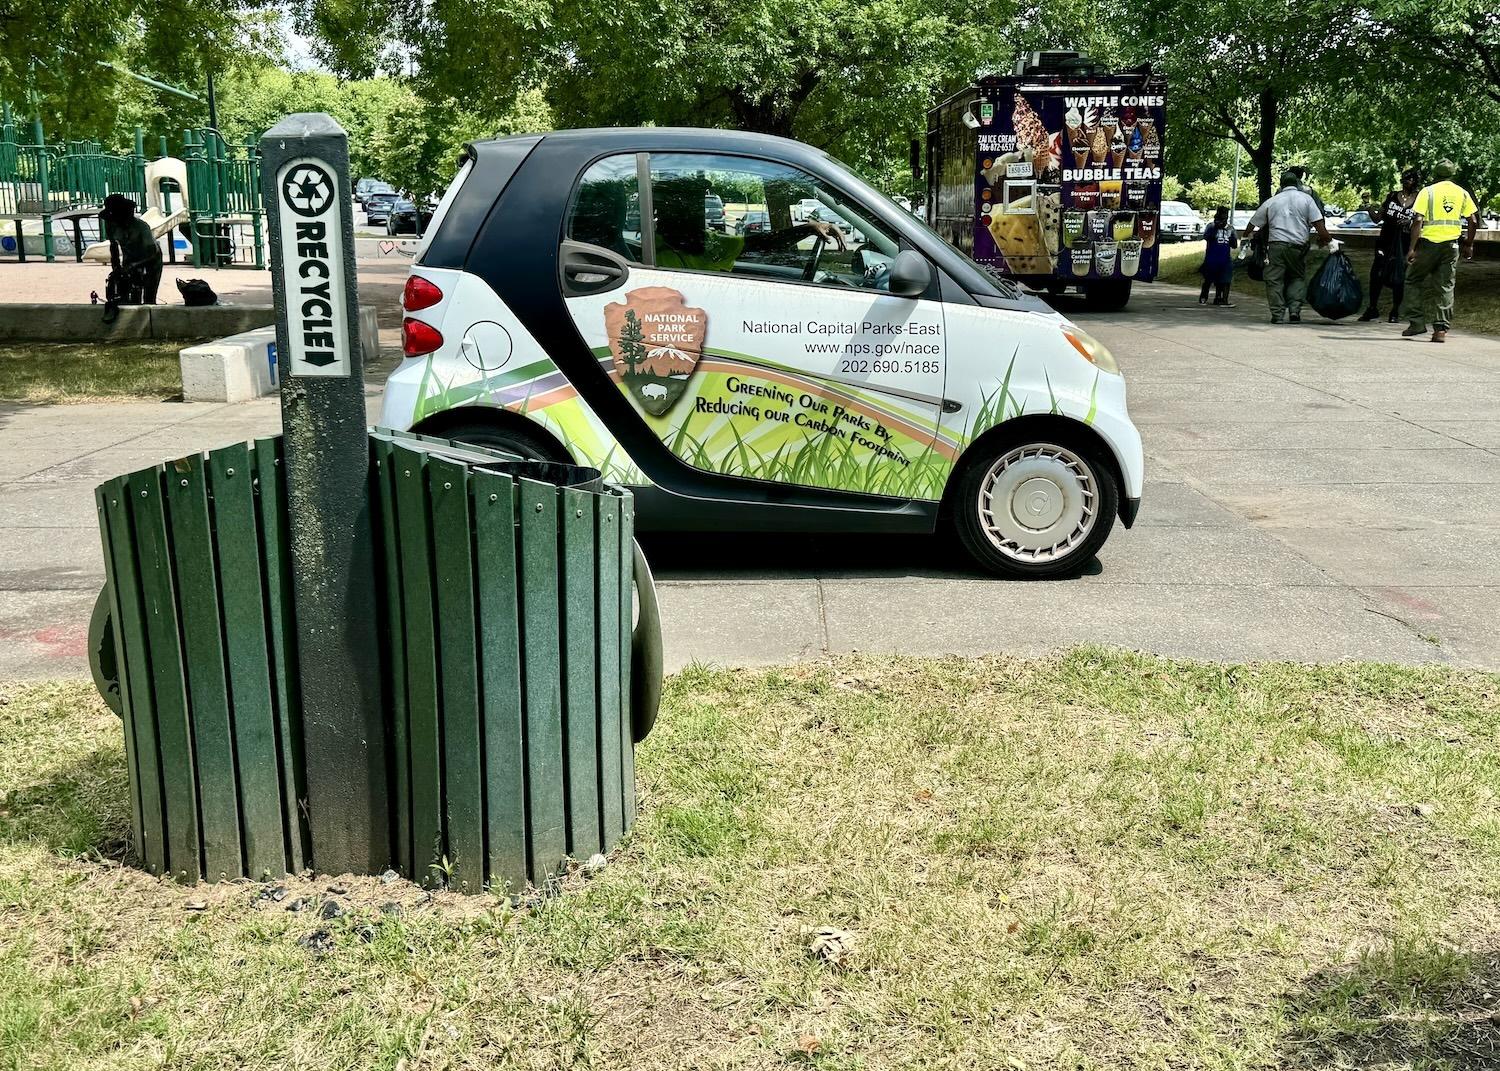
1073, 122
1110, 123
1099, 146
1080, 151
1117, 151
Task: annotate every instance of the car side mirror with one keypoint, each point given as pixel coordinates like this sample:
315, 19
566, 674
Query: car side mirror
911, 275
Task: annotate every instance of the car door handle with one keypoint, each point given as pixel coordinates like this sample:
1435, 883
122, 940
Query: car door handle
591, 269
607, 271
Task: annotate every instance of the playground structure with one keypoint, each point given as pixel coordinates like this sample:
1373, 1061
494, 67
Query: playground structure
52, 193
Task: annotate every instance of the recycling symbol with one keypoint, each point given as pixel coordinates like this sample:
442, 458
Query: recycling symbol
307, 190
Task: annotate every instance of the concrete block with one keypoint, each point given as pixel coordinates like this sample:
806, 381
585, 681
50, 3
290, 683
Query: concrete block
180, 321
233, 369
85, 323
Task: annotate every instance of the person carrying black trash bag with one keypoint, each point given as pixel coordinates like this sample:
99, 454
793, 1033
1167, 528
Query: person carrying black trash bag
1287, 218
133, 252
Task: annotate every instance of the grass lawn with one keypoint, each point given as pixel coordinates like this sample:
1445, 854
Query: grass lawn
1099, 860
1476, 299
89, 371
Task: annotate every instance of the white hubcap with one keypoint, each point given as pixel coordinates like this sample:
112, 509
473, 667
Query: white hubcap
1038, 502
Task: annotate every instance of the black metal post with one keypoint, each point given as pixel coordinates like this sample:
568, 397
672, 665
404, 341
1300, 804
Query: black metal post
305, 180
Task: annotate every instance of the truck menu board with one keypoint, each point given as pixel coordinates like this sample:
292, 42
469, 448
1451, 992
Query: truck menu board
1061, 176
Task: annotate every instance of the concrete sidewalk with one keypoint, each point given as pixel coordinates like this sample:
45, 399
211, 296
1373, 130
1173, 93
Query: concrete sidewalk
1314, 491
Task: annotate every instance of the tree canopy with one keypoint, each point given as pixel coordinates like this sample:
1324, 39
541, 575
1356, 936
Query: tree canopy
1353, 88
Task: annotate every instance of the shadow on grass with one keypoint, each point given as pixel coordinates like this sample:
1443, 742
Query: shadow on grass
84, 809
1416, 1003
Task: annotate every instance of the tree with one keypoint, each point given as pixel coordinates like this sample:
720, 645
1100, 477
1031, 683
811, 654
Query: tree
1236, 68
632, 342
853, 76
50, 61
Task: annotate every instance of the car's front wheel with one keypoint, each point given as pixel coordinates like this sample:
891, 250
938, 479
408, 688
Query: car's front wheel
1036, 509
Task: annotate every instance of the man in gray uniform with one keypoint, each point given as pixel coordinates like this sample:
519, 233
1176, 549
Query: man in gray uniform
1286, 218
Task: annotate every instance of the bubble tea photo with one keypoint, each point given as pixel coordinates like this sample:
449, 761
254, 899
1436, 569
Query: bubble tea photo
1104, 257
1082, 259
1130, 257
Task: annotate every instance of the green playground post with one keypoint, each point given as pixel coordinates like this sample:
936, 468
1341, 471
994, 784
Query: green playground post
46, 193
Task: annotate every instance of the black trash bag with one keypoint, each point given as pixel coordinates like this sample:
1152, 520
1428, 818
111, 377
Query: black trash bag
1335, 291
196, 292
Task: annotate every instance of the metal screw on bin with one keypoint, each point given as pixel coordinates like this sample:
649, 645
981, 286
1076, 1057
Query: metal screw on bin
306, 187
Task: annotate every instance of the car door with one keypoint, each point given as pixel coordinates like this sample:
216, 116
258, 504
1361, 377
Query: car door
773, 353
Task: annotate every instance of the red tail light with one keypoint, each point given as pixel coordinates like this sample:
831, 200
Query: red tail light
418, 338
420, 293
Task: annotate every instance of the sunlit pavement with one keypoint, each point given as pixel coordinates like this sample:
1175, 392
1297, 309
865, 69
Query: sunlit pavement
1315, 491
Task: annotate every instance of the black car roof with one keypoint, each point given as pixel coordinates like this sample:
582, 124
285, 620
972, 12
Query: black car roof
681, 138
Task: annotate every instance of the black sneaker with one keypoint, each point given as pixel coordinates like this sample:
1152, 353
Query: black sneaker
1295, 318
1393, 319
1277, 320
1371, 313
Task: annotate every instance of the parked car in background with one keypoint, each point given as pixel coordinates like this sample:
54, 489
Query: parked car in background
755, 222
378, 206
1179, 223
713, 211
1358, 219
1240, 218
366, 186
406, 218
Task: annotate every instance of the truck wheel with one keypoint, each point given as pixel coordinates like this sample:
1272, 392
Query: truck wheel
526, 444
1036, 509
1110, 295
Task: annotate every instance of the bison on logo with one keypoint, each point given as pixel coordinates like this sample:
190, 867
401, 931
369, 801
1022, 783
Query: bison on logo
656, 341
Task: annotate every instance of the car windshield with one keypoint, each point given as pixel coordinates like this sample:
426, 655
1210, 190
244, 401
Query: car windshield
1176, 208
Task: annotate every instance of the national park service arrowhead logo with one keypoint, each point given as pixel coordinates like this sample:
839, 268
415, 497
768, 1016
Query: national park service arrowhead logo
656, 341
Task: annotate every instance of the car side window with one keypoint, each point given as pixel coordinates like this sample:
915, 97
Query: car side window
763, 220
606, 210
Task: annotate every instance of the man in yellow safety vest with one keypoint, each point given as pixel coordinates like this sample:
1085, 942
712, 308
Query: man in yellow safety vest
1441, 213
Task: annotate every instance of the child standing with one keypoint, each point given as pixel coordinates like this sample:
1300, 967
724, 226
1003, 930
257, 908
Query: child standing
1218, 259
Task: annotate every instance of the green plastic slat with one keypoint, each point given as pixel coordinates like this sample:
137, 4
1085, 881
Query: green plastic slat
174, 735
541, 655
581, 727
384, 499
129, 700
627, 617
463, 780
208, 684
237, 539
421, 662
611, 797
494, 499
270, 505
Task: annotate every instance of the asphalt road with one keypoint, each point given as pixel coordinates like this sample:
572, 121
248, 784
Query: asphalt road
1314, 492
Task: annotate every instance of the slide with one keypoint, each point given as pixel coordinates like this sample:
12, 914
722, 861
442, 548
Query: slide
160, 224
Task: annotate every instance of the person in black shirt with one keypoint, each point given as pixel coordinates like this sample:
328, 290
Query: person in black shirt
1394, 215
140, 256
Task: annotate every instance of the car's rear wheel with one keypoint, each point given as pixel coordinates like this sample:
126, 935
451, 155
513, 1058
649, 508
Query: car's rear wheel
512, 439
1035, 509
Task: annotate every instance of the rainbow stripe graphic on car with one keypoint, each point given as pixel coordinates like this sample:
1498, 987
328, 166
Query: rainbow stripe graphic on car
742, 414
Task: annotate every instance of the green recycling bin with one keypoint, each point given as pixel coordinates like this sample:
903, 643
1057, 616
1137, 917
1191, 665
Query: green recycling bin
522, 662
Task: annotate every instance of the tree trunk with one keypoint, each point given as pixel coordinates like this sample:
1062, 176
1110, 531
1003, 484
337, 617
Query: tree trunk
1264, 153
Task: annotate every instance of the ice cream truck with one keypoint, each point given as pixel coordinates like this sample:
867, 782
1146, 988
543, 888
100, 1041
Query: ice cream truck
1053, 175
